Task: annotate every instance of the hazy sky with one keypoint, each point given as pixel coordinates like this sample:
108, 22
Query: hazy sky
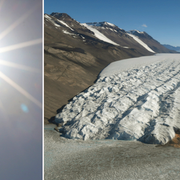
21, 89
160, 19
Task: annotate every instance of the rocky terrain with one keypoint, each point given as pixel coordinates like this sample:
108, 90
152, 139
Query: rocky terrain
68, 159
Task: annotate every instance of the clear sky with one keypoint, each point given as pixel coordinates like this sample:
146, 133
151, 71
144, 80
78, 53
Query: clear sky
21, 89
159, 18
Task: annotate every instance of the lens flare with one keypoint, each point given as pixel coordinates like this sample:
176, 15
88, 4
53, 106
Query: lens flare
20, 101
3, 34
20, 89
16, 23
21, 45
24, 108
19, 66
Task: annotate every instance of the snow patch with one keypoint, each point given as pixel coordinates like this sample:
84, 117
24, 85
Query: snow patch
62, 22
110, 24
100, 24
141, 42
133, 31
99, 35
47, 17
51, 20
66, 32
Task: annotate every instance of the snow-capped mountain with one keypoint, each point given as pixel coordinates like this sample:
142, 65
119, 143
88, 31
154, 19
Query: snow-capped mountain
106, 32
150, 42
136, 37
175, 48
111, 33
75, 54
121, 37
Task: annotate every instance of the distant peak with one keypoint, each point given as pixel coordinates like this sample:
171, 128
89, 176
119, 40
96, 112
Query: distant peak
135, 32
110, 24
101, 24
60, 15
139, 34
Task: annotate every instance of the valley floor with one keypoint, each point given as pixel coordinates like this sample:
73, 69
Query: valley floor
67, 159
129, 103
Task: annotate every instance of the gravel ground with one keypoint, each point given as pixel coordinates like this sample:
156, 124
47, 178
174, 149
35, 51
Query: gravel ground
66, 159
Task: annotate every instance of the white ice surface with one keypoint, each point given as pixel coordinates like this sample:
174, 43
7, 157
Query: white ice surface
141, 42
133, 99
99, 35
126, 64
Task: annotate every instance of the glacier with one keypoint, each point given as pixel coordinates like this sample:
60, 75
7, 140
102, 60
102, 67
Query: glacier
133, 99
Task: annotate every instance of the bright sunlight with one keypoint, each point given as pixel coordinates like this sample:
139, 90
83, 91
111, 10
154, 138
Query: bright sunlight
21, 89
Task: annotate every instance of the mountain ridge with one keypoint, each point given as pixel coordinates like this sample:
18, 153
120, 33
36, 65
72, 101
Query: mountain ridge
175, 48
74, 56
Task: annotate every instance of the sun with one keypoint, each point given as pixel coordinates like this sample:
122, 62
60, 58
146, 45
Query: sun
21, 89
7, 49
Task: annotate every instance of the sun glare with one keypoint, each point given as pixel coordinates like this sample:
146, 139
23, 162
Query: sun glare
17, 22
21, 89
19, 66
20, 45
16, 65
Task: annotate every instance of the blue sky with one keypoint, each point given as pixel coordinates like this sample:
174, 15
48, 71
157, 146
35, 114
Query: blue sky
160, 19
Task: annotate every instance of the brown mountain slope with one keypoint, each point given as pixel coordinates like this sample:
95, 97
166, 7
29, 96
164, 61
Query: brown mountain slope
152, 43
73, 58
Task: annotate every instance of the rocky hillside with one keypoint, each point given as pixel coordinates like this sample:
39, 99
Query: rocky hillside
152, 43
74, 55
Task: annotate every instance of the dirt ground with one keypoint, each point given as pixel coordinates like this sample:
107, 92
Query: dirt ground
66, 159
